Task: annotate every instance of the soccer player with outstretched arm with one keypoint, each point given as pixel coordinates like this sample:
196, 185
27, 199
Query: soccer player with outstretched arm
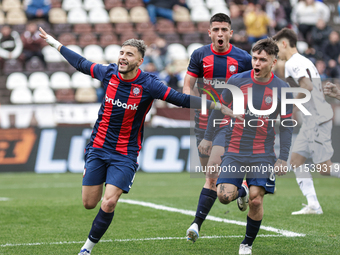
249, 149
111, 155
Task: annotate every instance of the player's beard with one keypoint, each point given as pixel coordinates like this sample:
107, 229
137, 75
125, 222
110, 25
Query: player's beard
129, 68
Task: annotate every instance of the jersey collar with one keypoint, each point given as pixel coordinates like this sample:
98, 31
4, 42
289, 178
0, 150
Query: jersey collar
221, 53
258, 82
131, 80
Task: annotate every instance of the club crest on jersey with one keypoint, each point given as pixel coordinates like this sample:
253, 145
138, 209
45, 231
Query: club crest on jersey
136, 91
232, 69
268, 99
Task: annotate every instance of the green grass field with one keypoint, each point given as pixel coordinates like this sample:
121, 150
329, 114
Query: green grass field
43, 214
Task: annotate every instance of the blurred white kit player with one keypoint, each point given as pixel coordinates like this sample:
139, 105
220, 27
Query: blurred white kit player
314, 138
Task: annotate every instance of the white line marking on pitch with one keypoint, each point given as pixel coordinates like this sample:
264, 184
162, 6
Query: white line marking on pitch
280, 232
213, 218
4, 198
39, 186
130, 240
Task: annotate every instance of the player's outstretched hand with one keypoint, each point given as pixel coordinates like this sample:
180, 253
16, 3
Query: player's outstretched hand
227, 111
49, 39
331, 90
280, 167
205, 147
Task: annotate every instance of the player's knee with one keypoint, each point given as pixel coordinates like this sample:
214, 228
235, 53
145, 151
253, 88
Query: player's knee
294, 163
255, 201
89, 204
109, 204
226, 193
325, 168
326, 173
224, 199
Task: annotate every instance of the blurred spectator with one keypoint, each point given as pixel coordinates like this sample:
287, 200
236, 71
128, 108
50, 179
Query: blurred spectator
242, 4
310, 53
321, 67
151, 68
156, 53
276, 14
287, 7
170, 77
10, 44
32, 43
239, 37
331, 54
331, 47
163, 8
305, 15
100, 94
320, 34
257, 22
37, 9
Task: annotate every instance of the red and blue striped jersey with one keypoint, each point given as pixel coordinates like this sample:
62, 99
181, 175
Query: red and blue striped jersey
256, 135
120, 124
207, 64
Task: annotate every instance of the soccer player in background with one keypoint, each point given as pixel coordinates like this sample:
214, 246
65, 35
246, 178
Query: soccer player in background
111, 155
314, 138
249, 146
216, 61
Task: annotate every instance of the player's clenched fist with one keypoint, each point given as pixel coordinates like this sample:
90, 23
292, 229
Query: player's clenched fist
331, 90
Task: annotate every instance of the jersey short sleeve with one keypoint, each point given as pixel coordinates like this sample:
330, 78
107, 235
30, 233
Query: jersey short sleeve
98, 71
194, 68
295, 70
247, 64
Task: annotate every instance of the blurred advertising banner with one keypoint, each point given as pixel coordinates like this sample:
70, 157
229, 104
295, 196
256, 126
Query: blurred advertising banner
61, 149
49, 116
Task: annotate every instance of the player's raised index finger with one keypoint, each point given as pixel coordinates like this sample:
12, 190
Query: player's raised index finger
42, 31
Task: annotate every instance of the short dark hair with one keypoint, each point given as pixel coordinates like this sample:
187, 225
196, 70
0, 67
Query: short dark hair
288, 34
268, 45
220, 17
139, 44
